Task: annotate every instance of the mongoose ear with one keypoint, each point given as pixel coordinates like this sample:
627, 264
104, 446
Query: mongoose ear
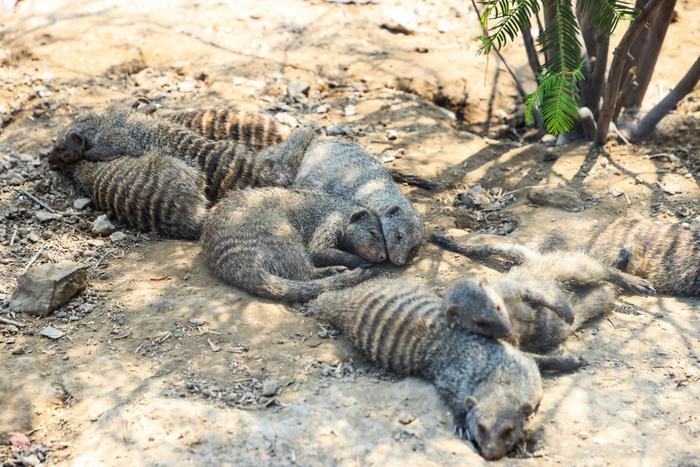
359, 215
526, 409
76, 140
392, 211
470, 402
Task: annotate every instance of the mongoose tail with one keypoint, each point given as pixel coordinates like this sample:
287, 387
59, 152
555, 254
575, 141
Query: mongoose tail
288, 290
414, 180
510, 254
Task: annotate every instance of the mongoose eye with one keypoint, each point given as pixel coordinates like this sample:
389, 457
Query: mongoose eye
498, 307
482, 430
506, 433
374, 233
399, 236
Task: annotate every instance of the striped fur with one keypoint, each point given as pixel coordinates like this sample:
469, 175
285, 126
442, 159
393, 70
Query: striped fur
391, 322
152, 193
253, 129
666, 254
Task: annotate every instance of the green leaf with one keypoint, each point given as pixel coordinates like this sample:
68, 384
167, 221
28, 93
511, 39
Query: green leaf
606, 14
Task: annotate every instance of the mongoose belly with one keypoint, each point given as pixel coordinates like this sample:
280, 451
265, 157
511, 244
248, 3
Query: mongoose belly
152, 193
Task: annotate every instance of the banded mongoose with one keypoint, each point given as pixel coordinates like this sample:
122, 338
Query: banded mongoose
225, 165
491, 387
665, 253
542, 301
151, 193
254, 129
294, 243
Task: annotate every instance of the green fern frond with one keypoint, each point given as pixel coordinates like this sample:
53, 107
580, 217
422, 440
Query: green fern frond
606, 14
510, 16
560, 40
556, 98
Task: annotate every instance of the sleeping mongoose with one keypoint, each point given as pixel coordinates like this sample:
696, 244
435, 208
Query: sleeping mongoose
294, 243
491, 387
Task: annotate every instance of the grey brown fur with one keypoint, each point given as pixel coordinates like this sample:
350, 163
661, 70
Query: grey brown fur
667, 254
152, 193
224, 164
490, 386
253, 129
290, 244
541, 302
344, 169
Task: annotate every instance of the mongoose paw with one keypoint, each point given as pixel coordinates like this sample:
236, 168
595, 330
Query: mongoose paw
337, 269
641, 286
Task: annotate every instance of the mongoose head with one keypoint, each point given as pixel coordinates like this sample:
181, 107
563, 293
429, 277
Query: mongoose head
403, 230
70, 147
363, 237
495, 421
478, 308
278, 164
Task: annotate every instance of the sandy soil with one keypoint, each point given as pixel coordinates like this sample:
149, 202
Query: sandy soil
162, 364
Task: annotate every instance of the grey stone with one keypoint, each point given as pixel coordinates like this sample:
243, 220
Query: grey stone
561, 197
270, 387
47, 287
44, 216
81, 203
475, 197
392, 135
102, 226
548, 140
298, 89
286, 119
323, 108
117, 236
52, 333
336, 130
349, 110
197, 321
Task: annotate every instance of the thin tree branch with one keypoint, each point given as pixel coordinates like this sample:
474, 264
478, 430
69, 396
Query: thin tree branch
518, 84
646, 63
531, 51
597, 44
615, 74
638, 47
668, 103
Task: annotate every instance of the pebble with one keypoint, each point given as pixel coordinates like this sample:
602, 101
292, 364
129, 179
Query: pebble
323, 108
197, 321
17, 350
405, 419
81, 203
33, 237
61, 314
337, 130
349, 110
102, 226
270, 387
47, 287
298, 89
548, 140
43, 216
52, 333
117, 236
392, 135
286, 119
95, 242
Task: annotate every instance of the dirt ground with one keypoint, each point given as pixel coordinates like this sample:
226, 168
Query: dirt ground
162, 364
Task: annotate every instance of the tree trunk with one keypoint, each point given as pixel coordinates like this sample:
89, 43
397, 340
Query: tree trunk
531, 51
637, 48
668, 103
646, 63
596, 43
549, 13
615, 74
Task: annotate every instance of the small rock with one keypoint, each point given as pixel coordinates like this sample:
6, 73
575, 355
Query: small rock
405, 419
52, 333
61, 315
298, 89
615, 192
19, 439
197, 321
548, 140
44, 216
96, 242
392, 135
186, 86
33, 237
286, 119
349, 110
475, 197
695, 223
270, 387
117, 236
671, 186
31, 460
323, 108
102, 226
387, 159
81, 203
337, 130
400, 21
445, 26
47, 287
15, 180
17, 350
561, 197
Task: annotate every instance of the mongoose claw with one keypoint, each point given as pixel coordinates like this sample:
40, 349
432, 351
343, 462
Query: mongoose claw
642, 287
337, 269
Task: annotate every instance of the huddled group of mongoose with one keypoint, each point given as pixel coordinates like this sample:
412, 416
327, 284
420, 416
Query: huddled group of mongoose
298, 217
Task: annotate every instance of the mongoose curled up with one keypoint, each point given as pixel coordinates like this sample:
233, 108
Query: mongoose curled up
665, 253
290, 244
491, 387
542, 301
224, 164
152, 193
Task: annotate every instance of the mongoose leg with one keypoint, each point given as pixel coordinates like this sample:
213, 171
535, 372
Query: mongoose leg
335, 257
558, 363
631, 283
556, 303
622, 261
320, 273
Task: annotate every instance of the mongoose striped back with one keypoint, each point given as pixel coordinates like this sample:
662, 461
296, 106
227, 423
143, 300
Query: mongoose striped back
152, 193
225, 165
253, 129
394, 323
667, 254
